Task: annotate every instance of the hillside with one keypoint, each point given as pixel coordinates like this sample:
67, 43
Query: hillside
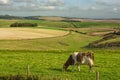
60, 18
111, 39
46, 56
91, 29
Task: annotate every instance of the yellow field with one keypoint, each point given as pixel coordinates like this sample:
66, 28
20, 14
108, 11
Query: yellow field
29, 33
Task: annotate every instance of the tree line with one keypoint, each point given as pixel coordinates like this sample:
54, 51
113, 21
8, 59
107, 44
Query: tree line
24, 24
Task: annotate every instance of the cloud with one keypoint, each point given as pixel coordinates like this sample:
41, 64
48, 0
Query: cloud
4, 2
30, 5
24, 1
108, 2
115, 10
84, 8
52, 3
91, 8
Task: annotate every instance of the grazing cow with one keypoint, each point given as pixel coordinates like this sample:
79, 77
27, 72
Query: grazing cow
78, 58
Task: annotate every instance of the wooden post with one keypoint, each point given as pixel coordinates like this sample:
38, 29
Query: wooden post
28, 71
97, 75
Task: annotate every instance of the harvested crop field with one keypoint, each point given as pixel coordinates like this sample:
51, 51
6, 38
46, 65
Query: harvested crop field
29, 33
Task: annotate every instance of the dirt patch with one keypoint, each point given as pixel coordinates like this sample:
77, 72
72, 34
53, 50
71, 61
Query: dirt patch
28, 33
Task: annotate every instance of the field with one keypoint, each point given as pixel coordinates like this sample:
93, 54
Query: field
49, 64
46, 56
29, 33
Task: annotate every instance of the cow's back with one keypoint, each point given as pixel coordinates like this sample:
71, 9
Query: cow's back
74, 56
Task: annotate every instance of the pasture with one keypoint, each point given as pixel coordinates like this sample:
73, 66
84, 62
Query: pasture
49, 64
46, 56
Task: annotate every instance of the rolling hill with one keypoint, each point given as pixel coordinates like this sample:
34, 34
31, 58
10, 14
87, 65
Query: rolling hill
46, 56
111, 39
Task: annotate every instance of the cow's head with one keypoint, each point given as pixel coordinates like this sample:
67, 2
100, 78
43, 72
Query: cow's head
64, 67
69, 61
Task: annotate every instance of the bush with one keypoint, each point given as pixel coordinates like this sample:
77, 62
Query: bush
24, 25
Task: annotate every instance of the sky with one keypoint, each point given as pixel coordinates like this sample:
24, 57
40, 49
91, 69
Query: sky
65, 8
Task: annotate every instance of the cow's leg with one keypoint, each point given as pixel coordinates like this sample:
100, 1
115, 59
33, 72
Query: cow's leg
73, 68
91, 68
73, 65
78, 67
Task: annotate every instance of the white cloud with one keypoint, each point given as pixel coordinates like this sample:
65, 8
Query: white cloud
95, 8
47, 7
111, 6
52, 2
30, 5
4, 1
108, 2
91, 8
115, 10
24, 0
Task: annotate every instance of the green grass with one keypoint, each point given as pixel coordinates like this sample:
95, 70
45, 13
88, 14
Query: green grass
95, 24
49, 64
117, 39
71, 42
6, 23
46, 56
58, 24
61, 24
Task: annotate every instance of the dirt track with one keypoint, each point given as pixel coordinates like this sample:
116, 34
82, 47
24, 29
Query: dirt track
28, 33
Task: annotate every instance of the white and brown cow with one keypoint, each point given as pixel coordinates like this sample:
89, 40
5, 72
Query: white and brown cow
78, 58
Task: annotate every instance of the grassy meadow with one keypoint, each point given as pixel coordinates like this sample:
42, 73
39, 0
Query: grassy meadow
62, 24
46, 56
49, 64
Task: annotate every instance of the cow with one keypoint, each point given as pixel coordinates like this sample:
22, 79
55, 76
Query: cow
79, 58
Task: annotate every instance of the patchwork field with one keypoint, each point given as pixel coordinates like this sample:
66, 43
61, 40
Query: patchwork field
28, 33
46, 48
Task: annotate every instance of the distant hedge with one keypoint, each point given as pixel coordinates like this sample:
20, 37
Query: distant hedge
24, 25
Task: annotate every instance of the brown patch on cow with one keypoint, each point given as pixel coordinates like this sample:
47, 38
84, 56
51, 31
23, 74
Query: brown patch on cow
80, 57
90, 55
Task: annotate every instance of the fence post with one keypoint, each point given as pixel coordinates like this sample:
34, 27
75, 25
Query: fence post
97, 75
28, 71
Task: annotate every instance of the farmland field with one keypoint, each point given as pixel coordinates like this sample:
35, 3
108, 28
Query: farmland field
50, 63
29, 33
46, 56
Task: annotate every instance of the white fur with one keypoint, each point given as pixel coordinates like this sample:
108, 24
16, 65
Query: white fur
74, 56
86, 60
